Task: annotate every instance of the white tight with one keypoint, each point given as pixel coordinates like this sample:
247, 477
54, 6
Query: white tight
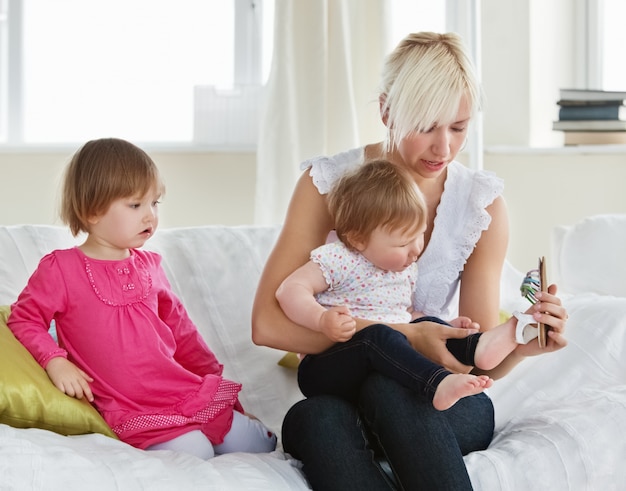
246, 435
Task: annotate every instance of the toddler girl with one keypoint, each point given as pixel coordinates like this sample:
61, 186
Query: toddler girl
125, 341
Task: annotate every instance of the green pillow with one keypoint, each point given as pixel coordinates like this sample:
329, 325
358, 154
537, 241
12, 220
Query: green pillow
289, 360
28, 399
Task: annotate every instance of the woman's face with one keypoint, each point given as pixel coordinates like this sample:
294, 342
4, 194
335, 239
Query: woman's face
428, 153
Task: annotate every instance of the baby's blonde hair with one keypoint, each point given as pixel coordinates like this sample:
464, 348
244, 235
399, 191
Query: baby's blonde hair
376, 194
422, 84
100, 172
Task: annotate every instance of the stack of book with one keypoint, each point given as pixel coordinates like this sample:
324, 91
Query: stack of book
590, 117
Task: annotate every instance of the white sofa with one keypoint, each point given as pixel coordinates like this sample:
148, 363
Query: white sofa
561, 418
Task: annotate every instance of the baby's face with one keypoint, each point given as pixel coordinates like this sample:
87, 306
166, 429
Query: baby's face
393, 250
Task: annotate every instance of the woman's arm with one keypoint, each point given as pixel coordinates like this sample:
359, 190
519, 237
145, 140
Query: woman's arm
306, 226
479, 297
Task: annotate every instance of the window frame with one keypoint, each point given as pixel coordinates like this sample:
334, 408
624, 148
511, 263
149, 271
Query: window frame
589, 43
247, 66
462, 15
11, 97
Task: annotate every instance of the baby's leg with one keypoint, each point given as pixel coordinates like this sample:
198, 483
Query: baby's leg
458, 385
247, 435
495, 345
193, 442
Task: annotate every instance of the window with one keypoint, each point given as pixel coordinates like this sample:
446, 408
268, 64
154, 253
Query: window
602, 60
71, 70
414, 16
614, 40
188, 72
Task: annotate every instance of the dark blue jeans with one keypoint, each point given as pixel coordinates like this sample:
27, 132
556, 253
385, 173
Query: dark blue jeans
342, 369
341, 443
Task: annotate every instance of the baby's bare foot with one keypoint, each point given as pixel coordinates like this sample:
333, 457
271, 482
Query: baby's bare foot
495, 345
458, 385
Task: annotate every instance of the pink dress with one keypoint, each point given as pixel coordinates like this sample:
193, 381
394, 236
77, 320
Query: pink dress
154, 376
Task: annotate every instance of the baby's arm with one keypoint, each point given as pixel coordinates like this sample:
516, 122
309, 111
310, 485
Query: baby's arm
296, 296
68, 378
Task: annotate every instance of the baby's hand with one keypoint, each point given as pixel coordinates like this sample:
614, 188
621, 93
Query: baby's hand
415, 314
337, 324
464, 323
68, 378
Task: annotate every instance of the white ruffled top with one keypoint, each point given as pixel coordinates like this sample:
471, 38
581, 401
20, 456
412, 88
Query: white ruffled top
461, 217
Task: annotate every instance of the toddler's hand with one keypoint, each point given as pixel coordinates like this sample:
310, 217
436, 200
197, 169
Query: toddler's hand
464, 323
337, 324
415, 314
68, 378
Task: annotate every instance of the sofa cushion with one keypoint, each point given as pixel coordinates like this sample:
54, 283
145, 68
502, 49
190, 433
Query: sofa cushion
28, 399
588, 256
215, 270
21, 247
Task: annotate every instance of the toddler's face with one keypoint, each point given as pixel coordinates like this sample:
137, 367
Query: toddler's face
393, 250
129, 222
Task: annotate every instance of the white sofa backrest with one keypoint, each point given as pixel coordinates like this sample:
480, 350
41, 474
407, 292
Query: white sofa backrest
588, 257
21, 249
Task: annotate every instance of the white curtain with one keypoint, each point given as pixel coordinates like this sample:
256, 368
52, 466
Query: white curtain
321, 96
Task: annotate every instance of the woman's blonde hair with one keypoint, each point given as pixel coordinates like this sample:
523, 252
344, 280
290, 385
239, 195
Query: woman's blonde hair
422, 84
376, 194
100, 172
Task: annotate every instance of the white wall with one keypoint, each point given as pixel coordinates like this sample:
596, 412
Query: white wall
528, 53
543, 188
201, 187
547, 188
530, 50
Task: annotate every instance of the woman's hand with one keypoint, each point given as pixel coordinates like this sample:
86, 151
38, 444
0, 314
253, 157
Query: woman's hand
549, 311
68, 378
429, 338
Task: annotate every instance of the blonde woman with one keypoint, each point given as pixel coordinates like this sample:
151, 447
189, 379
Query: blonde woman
428, 96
